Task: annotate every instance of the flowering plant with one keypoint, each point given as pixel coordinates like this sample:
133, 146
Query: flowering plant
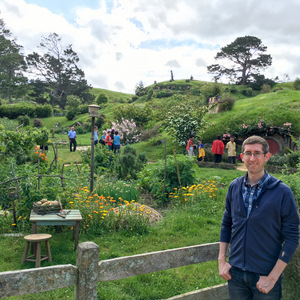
128, 129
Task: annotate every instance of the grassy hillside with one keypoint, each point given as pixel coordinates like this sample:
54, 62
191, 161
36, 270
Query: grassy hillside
277, 108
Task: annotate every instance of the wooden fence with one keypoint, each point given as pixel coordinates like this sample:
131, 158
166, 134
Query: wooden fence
89, 271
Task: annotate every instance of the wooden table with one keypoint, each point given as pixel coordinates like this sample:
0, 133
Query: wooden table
73, 218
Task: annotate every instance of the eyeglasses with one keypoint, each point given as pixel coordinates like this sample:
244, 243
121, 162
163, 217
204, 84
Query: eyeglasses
255, 154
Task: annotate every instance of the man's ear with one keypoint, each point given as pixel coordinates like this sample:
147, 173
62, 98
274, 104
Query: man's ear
241, 155
267, 156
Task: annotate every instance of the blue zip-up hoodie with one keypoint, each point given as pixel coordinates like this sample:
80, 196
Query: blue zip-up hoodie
271, 231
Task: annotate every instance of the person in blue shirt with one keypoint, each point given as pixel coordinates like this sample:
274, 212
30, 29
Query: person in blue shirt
72, 138
117, 142
103, 137
96, 135
261, 224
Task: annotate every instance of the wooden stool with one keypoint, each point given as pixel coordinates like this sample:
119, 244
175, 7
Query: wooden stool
35, 240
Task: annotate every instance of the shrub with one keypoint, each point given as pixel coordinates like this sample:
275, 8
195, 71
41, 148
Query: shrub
293, 159
248, 92
296, 84
83, 109
164, 94
43, 111
23, 120
149, 94
100, 121
266, 88
127, 164
147, 134
101, 99
37, 123
152, 179
227, 103
129, 131
278, 160
103, 159
70, 115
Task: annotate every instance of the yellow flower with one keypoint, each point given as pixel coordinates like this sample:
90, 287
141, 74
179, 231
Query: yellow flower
13, 224
71, 202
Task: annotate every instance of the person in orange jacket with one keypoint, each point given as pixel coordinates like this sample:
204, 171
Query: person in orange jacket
218, 149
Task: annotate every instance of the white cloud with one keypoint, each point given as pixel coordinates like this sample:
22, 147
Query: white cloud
123, 42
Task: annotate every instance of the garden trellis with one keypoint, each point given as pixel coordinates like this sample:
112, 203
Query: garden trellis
16, 180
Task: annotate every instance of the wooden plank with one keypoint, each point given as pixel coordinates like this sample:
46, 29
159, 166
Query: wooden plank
38, 280
129, 266
219, 292
74, 215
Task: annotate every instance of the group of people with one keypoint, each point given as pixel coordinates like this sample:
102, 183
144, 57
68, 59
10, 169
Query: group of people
111, 138
190, 147
217, 149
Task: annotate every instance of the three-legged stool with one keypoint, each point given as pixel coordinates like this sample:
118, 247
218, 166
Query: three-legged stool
35, 240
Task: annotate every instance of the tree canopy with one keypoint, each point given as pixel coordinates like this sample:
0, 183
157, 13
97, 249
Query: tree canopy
57, 68
12, 65
248, 57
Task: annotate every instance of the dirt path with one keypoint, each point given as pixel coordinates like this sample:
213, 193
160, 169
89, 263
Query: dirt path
241, 167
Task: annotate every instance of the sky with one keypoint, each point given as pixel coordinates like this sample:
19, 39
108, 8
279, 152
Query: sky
121, 43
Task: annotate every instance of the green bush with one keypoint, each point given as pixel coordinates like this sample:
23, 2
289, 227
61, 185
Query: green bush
83, 109
20, 109
248, 92
152, 179
23, 120
164, 94
227, 103
297, 84
127, 164
70, 115
293, 159
278, 160
43, 111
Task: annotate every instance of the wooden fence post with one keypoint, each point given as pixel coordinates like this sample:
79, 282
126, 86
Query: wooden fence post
87, 259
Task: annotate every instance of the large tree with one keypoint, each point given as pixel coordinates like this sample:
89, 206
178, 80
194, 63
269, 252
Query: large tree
12, 66
57, 68
248, 57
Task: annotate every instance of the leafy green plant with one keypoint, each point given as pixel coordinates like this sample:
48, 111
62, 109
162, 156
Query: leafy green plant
297, 84
128, 163
184, 120
226, 103
178, 173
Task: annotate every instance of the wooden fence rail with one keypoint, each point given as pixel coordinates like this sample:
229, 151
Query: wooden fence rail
89, 271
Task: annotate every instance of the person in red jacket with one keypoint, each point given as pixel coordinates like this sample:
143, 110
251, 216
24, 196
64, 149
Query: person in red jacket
190, 146
218, 149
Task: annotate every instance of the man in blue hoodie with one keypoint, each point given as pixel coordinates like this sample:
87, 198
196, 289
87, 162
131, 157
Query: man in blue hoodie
261, 224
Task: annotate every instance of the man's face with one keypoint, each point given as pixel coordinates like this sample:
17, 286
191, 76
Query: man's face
255, 163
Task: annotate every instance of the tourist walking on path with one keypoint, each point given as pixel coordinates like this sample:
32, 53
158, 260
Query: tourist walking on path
218, 149
72, 138
261, 224
231, 148
190, 146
